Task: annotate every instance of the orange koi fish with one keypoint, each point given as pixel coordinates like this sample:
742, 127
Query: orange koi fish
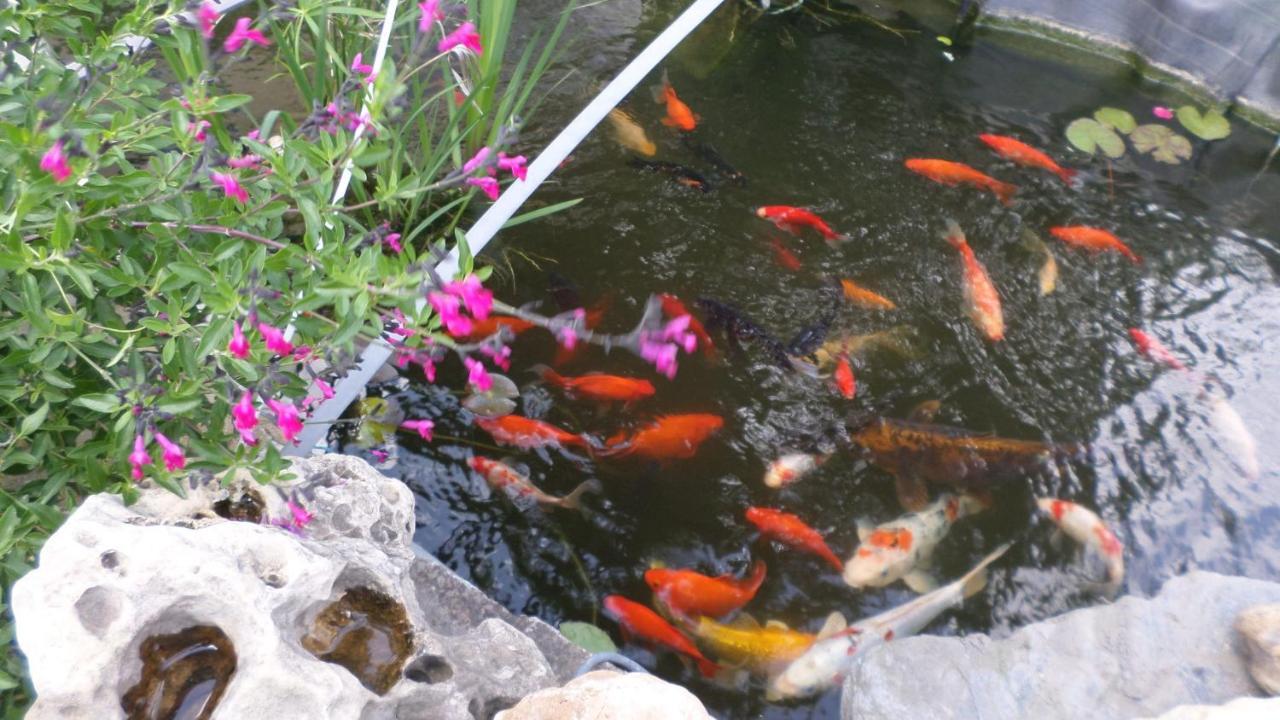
679, 115
783, 256
481, 329
792, 532
980, 296
1093, 239
865, 298
954, 173
1154, 349
792, 219
598, 386
690, 593
526, 433
1024, 154
673, 308
1085, 527
844, 378
669, 437
644, 624
501, 476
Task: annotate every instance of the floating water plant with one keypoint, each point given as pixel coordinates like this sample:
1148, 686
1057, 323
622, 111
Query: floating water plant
1161, 142
1090, 136
1210, 125
588, 637
1116, 118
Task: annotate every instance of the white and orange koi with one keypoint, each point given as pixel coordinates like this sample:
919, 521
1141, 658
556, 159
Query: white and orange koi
828, 661
501, 476
1085, 527
980, 296
902, 549
791, 468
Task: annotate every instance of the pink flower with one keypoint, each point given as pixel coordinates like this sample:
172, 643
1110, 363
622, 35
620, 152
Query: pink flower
477, 376
208, 17
661, 354
379, 455
677, 330
568, 337
274, 338
422, 427
254, 134
54, 162
248, 161
448, 307
197, 129
478, 300
242, 34
500, 357
139, 456
429, 369
286, 418
300, 515
486, 184
393, 241
326, 390
173, 457
239, 345
476, 161
431, 12
230, 186
515, 165
358, 66
465, 36
1162, 112
246, 419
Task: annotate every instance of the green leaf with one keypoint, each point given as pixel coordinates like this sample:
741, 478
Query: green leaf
99, 402
178, 407
540, 213
1209, 126
1119, 119
32, 422
1162, 143
588, 637
1090, 136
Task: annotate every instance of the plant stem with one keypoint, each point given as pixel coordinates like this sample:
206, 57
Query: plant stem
215, 229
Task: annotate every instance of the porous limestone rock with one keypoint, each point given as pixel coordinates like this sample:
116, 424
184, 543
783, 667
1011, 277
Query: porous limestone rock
1260, 628
608, 695
1137, 657
167, 574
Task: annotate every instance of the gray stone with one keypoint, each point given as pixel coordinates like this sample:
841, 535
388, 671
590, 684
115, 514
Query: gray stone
114, 576
1259, 627
607, 695
1134, 658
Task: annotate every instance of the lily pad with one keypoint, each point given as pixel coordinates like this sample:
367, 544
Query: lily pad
379, 418
1115, 117
1209, 126
1162, 143
588, 637
496, 401
1090, 136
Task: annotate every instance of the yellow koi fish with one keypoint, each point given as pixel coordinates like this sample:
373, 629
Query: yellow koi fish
629, 134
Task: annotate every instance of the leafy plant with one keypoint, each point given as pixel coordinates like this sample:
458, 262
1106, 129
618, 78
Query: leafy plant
1208, 126
1090, 136
1161, 142
1116, 118
588, 637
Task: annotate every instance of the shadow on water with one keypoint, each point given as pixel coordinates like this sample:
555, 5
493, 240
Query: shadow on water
824, 117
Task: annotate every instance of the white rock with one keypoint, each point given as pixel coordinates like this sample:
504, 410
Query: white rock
1240, 709
113, 576
607, 695
1260, 628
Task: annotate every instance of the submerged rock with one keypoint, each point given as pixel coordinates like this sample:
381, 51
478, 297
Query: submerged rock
607, 695
1260, 628
187, 608
1134, 658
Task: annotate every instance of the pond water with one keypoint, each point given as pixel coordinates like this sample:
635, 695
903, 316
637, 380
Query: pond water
823, 117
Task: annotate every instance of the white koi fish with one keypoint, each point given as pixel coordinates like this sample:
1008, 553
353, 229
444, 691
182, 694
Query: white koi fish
902, 549
828, 661
792, 467
1237, 441
1085, 527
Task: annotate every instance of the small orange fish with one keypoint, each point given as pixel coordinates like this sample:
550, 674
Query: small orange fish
980, 294
644, 624
954, 173
1093, 239
673, 308
690, 593
1024, 154
501, 476
1154, 349
481, 329
669, 437
844, 378
863, 297
526, 433
679, 115
599, 386
783, 256
792, 532
792, 219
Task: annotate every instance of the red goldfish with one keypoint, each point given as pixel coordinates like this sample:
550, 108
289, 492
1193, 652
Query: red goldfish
1024, 154
792, 219
1154, 349
526, 433
669, 437
792, 532
690, 593
481, 329
783, 256
644, 624
844, 378
1093, 239
979, 292
673, 308
679, 115
501, 476
598, 386
954, 173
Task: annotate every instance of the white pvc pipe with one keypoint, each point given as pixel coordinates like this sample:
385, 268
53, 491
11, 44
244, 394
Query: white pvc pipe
378, 352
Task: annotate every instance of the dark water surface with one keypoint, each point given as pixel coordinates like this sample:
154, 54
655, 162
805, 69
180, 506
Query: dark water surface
824, 117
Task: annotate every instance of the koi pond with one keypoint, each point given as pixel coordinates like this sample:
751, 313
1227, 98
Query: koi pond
823, 116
